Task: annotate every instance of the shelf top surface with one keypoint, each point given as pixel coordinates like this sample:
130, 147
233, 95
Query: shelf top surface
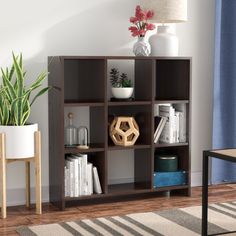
68, 57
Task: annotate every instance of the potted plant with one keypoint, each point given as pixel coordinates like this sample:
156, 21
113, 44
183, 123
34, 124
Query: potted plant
15, 106
121, 86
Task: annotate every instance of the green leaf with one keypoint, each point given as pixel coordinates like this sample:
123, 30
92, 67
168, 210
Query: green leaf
40, 93
20, 62
9, 87
5, 113
40, 79
11, 72
26, 114
20, 87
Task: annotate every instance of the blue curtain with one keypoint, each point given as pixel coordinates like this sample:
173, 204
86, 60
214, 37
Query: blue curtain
224, 111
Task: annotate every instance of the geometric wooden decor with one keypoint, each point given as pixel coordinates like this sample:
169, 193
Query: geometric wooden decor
124, 131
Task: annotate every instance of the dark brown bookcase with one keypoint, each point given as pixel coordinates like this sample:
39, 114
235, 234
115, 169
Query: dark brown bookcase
83, 81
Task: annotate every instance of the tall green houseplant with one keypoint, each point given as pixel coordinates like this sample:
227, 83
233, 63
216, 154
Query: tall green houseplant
15, 97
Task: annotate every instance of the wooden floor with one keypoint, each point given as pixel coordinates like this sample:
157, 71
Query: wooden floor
20, 216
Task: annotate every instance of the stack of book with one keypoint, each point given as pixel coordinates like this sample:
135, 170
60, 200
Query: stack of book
81, 177
170, 123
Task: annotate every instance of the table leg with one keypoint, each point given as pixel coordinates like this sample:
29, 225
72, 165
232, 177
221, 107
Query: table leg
27, 182
3, 176
205, 194
38, 173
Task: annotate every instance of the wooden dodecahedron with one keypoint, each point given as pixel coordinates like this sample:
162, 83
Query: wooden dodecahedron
124, 131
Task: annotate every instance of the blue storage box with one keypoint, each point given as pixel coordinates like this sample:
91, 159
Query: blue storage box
164, 179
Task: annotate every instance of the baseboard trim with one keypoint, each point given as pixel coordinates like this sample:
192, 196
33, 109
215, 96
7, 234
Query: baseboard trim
196, 179
16, 197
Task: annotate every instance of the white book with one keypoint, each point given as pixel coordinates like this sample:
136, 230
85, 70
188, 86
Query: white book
181, 108
168, 111
76, 175
177, 126
83, 161
162, 125
90, 178
157, 123
71, 176
67, 192
79, 174
96, 182
84, 174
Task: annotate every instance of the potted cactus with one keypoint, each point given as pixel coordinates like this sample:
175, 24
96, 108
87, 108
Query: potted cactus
121, 86
15, 106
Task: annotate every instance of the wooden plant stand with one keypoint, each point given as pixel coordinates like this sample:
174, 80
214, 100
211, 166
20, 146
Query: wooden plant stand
37, 162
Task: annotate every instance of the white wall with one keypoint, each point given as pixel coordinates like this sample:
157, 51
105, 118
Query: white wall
99, 27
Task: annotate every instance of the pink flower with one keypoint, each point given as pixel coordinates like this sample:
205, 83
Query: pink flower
134, 30
150, 26
149, 14
140, 14
142, 32
133, 19
141, 26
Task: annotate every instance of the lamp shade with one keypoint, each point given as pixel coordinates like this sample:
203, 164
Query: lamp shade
167, 11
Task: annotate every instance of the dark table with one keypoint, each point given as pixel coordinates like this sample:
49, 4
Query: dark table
224, 154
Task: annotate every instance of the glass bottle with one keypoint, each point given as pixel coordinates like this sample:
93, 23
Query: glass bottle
83, 137
70, 132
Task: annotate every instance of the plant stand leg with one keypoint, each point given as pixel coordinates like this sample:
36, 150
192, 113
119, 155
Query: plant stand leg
27, 182
3, 175
38, 190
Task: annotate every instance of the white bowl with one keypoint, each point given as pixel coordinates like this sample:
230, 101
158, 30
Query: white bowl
122, 93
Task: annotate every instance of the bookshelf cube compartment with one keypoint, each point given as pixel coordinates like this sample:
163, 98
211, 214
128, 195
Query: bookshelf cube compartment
129, 170
182, 152
140, 73
93, 119
84, 80
142, 115
97, 160
172, 79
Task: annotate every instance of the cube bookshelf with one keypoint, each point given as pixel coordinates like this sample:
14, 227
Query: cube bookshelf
83, 81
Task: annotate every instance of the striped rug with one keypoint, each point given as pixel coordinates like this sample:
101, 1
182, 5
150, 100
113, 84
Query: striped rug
180, 222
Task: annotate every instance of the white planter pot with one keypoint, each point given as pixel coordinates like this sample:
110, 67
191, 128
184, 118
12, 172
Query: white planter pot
19, 140
122, 93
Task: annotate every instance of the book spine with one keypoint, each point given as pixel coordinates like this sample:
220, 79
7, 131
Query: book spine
164, 119
96, 181
90, 178
76, 177
71, 170
84, 174
66, 182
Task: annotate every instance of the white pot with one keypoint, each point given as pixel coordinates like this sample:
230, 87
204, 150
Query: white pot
19, 140
122, 93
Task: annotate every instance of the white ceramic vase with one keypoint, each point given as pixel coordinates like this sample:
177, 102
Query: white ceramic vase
19, 140
122, 93
164, 42
142, 47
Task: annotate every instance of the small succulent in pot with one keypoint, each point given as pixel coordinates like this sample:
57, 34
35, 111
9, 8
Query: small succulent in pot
121, 86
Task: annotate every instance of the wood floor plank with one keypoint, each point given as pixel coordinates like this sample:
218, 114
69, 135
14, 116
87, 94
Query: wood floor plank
23, 216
